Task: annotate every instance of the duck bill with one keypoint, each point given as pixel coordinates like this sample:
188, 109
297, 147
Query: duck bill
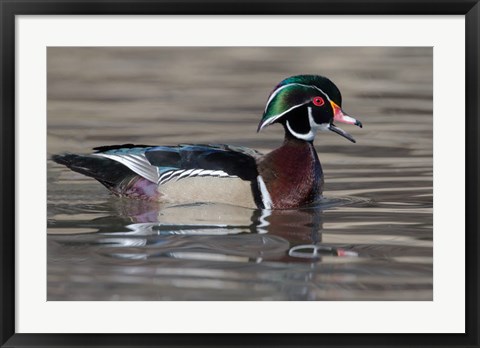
341, 132
342, 117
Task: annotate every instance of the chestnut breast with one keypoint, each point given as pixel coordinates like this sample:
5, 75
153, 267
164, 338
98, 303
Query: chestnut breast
292, 174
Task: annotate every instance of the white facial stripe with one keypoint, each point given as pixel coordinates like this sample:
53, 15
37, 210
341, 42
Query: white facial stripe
276, 117
274, 94
326, 95
318, 89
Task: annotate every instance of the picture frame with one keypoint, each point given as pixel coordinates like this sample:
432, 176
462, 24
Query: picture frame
9, 9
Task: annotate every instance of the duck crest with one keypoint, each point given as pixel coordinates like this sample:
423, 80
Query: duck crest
292, 174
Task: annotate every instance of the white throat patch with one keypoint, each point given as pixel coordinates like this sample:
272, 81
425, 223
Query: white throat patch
313, 128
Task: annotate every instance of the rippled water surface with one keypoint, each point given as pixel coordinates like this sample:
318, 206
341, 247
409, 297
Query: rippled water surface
370, 239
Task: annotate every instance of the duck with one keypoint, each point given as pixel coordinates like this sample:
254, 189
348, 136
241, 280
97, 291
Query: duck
288, 177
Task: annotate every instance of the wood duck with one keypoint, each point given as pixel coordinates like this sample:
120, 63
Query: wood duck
289, 177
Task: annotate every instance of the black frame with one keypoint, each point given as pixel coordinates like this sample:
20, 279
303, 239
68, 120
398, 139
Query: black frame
10, 8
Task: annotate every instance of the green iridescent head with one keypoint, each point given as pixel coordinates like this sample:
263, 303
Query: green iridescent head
305, 104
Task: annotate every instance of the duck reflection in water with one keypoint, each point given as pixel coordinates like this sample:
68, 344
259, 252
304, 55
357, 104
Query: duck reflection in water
145, 230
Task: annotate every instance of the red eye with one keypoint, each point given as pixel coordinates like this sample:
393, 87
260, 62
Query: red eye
318, 101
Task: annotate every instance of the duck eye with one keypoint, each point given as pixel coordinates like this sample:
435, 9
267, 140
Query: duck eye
318, 101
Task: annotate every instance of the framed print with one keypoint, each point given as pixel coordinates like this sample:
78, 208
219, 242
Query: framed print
219, 174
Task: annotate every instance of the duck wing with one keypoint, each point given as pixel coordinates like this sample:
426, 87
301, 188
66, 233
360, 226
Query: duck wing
160, 164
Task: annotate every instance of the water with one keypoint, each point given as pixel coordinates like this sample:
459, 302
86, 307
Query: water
370, 239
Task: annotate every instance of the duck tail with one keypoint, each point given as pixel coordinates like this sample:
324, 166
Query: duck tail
108, 172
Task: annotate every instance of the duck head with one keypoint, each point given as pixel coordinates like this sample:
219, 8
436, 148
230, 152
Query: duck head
304, 104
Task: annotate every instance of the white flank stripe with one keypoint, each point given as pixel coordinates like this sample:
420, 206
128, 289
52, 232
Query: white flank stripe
186, 173
206, 172
224, 174
196, 172
139, 164
171, 176
164, 175
219, 173
266, 199
167, 176
179, 174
